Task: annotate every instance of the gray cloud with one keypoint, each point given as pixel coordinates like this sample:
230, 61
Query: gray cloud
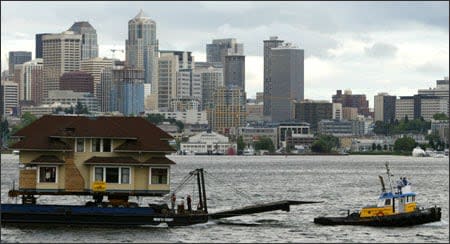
430, 67
381, 50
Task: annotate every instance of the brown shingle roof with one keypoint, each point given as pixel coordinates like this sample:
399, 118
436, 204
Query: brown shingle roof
126, 160
47, 159
144, 136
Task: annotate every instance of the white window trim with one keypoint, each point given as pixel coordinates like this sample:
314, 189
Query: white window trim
120, 174
76, 144
150, 175
101, 144
39, 171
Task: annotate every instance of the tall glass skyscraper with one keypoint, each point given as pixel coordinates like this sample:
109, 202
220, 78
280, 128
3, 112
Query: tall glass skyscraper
142, 46
89, 46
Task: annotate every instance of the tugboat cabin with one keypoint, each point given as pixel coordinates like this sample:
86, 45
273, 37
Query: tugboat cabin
80, 155
389, 203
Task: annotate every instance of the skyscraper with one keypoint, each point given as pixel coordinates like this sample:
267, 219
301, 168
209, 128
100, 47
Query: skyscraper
32, 73
61, 53
384, 107
142, 46
352, 100
89, 46
95, 66
287, 79
234, 71
211, 78
229, 111
38, 46
9, 94
128, 91
17, 57
219, 48
77, 81
268, 44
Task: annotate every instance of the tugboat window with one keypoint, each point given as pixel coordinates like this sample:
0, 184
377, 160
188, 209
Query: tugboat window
159, 176
47, 174
112, 175
387, 202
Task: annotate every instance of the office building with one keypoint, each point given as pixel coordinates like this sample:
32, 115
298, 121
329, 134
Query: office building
349, 113
89, 46
384, 107
229, 110
220, 48
17, 57
39, 45
312, 111
234, 71
348, 99
68, 97
268, 45
61, 54
32, 79
127, 91
337, 111
211, 78
9, 94
95, 67
141, 47
417, 106
341, 128
287, 79
77, 81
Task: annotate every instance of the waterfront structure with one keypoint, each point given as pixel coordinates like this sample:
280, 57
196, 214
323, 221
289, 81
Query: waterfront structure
268, 45
142, 46
89, 46
95, 67
69, 97
341, 128
61, 54
69, 154
312, 111
77, 81
15, 58
250, 135
287, 79
418, 106
337, 111
220, 48
39, 45
234, 71
211, 77
291, 134
348, 99
366, 144
9, 94
229, 109
384, 107
207, 143
31, 81
127, 91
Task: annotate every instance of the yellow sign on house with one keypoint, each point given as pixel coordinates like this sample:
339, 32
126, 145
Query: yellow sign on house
99, 186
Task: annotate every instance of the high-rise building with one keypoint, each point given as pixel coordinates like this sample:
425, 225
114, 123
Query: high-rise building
229, 111
142, 46
219, 48
89, 46
287, 79
349, 113
352, 100
95, 67
104, 91
38, 45
9, 94
211, 78
77, 81
17, 57
384, 107
417, 106
268, 44
234, 71
61, 54
312, 111
337, 111
128, 91
32, 73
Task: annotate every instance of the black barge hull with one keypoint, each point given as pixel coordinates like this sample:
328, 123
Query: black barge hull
84, 215
399, 220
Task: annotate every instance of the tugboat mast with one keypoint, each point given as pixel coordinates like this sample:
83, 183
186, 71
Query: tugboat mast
388, 175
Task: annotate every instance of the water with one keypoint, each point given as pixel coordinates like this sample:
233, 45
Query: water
342, 182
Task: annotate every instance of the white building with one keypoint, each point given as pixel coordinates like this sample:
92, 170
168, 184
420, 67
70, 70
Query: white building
72, 98
337, 111
191, 116
10, 97
207, 143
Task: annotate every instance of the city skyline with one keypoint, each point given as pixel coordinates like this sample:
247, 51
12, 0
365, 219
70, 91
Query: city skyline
396, 47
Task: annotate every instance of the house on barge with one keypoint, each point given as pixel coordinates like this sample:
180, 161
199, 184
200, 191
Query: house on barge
76, 155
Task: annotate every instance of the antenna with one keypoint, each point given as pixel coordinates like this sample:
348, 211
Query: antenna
389, 175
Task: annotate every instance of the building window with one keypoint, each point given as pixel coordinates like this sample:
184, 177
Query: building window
116, 175
101, 145
106, 145
96, 144
158, 175
80, 145
47, 174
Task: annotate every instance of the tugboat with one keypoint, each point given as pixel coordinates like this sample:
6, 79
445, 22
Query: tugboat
394, 208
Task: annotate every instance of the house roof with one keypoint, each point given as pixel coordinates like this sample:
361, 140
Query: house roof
126, 160
47, 159
45, 133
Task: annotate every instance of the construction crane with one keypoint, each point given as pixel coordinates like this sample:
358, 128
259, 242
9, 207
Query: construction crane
114, 51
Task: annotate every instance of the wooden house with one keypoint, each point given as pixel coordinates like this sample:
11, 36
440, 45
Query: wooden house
71, 154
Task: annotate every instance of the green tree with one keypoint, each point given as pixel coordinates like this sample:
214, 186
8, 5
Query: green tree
404, 144
374, 146
264, 143
379, 147
440, 116
325, 143
320, 146
240, 144
26, 119
4, 129
385, 147
180, 125
155, 118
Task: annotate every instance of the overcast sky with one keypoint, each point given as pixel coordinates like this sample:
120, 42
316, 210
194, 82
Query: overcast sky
368, 47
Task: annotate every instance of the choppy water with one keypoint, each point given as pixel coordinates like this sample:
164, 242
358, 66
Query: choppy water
342, 182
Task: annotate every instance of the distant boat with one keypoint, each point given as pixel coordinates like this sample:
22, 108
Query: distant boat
418, 152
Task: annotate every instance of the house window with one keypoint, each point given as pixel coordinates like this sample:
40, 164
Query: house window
80, 145
96, 144
106, 145
101, 145
158, 175
47, 174
116, 175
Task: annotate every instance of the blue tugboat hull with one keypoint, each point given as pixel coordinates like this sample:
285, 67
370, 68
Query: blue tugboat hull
398, 220
84, 215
